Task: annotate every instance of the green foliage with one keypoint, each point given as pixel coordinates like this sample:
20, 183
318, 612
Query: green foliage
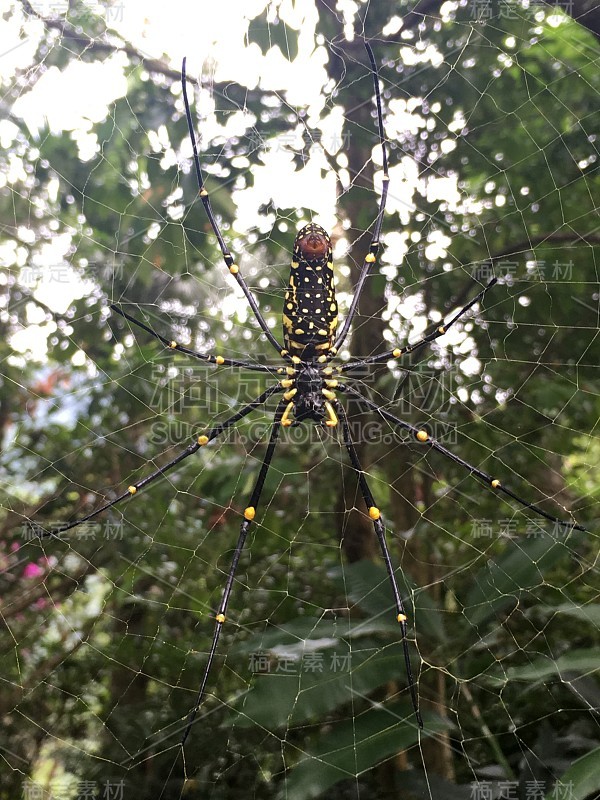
273, 34
583, 776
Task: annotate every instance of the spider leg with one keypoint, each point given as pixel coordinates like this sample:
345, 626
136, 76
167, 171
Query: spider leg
201, 441
423, 342
423, 437
227, 257
371, 256
249, 515
173, 345
375, 516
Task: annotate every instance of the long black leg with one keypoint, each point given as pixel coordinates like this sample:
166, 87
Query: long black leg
423, 342
173, 345
249, 515
227, 257
371, 256
375, 515
201, 441
423, 437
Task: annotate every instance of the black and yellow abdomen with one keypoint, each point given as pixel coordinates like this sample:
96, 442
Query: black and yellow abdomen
310, 312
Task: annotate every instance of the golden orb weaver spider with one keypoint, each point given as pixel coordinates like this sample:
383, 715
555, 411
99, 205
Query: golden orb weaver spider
311, 384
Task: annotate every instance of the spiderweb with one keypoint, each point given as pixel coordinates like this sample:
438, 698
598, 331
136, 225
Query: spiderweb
491, 121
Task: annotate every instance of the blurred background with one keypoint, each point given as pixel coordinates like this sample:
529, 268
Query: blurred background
491, 121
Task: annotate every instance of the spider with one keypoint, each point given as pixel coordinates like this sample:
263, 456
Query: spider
309, 391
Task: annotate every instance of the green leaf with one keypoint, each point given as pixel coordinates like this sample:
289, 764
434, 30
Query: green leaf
519, 568
367, 584
579, 661
354, 746
582, 778
273, 34
279, 700
306, 634
586, 613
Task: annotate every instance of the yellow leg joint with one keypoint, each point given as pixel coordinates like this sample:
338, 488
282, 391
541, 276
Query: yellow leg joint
220, 618
322, 359
332, 419
374, 513
219, 360
495, 483
234, 269
286, 383
250, 513
422, 436
401, 617
202, 440
290, 394
370, 258
132, 489
173, 345
203, 193
285, 419
329, 395
397, 352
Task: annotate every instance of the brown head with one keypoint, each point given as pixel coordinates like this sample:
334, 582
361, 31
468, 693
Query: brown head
312, 244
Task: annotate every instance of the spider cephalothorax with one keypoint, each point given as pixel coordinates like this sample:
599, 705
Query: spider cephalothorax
310, 395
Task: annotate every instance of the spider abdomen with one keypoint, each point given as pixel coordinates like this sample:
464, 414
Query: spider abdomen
310, 312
